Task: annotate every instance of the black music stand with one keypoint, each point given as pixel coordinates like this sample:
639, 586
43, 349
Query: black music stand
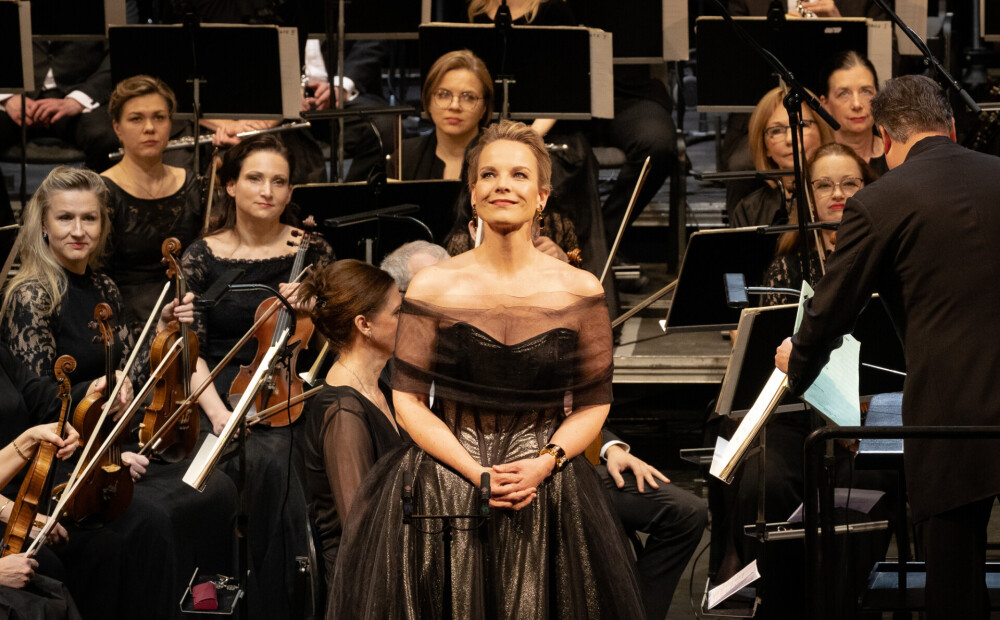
699, 301
541, 84
649, 32
17, 74
741, 77
989, 21
54, 20
202, 64
371, 240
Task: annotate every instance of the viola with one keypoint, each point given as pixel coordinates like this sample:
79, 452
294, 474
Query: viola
33, 489
177, 437
283, 385
107, 491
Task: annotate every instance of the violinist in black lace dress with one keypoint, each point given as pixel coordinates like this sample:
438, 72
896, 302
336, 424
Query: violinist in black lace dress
149, 201
252, 235
518, 348
350, 423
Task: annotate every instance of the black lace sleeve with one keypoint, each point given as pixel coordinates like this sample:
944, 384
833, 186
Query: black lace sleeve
196, 262
781, 273
28, 331
140, 370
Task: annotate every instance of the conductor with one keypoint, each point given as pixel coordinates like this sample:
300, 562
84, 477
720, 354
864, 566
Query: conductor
925, 238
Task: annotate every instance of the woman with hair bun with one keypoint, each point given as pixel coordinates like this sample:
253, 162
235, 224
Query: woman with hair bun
350, 423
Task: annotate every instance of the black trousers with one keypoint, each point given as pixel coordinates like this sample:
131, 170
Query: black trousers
91, 132
674, 520
640, 128
954, 545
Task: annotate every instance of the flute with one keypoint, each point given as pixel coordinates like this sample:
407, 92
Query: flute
188, 141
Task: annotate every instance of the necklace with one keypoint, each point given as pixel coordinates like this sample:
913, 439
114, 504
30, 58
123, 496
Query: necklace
153, 193
364, 391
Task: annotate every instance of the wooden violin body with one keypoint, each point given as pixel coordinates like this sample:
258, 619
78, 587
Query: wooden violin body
284, 383
107, 492
176, 442
33, 489
279, 389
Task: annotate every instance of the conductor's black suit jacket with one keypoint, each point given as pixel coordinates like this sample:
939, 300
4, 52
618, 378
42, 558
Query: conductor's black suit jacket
926, 237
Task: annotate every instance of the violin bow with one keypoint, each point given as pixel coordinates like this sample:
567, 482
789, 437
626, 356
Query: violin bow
628, 211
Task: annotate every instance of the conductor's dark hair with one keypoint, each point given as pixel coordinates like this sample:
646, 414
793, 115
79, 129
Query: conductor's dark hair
343, 290
912, 104
232, 165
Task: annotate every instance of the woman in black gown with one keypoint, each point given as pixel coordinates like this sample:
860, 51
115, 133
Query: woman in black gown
48, 306
149, 201
517, 346
252, 235
350, 424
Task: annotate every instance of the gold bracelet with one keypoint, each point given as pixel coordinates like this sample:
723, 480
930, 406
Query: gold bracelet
557, 453
17, 449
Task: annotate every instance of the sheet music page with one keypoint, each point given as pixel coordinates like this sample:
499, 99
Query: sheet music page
835, 392
740, 580
723, 463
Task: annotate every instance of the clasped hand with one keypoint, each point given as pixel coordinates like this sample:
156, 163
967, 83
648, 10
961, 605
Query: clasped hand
515, 485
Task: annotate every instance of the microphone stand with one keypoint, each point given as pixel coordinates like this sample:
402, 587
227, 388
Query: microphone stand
447, 527
504, 23
797, 95
929, 57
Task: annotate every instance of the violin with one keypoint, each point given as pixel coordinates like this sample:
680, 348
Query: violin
283, 385
177, 437
107, 492
25, 510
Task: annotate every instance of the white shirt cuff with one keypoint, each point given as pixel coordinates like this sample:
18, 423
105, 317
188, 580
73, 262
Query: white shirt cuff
604, 448
3, 102
83, 99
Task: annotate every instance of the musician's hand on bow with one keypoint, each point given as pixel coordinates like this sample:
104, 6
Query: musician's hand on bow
183, 312
782, 354
136, 463
17, 570
57, 536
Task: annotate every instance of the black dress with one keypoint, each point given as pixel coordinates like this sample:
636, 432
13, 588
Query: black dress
505, 370
276, 500
140, 563
138, 228
345, 435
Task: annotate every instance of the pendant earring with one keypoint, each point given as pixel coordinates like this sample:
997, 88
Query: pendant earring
541, 223
45, 236
475, 216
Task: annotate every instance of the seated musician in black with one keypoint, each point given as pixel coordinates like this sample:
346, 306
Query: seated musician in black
458, 96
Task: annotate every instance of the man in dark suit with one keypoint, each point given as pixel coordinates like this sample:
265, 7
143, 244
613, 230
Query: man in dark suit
73, 82
925, 238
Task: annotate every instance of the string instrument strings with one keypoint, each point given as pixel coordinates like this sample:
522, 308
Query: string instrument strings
113, 435
33, 489
151, 445
179, 438
279, 387
107, 492
150, 320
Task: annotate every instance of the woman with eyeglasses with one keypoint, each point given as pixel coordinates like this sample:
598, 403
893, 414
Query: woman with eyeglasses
852, 82
771, 149
836, 173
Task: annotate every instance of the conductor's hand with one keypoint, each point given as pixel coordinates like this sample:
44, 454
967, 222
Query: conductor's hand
13, 107
782, 354
619, 460
17, 570
50, 111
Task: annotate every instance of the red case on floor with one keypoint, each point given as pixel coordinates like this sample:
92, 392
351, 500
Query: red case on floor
204, 596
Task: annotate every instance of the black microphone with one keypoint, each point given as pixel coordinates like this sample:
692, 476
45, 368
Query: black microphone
219, 289
407, 497
484, 495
